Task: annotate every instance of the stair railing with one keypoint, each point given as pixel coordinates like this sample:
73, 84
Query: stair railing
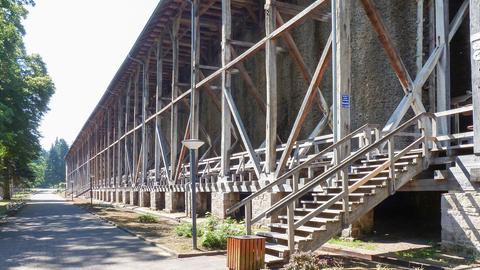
288, 201
247, 202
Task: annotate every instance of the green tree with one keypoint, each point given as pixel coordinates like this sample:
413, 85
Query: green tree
25, 90
55, 163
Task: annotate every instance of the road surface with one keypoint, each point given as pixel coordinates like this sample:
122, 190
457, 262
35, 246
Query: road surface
51, 233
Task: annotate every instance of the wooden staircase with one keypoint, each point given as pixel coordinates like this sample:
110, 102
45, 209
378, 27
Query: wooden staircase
329, 198
319, 229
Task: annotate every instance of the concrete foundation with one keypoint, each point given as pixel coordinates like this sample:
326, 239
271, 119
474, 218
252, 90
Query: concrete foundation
126, 197
133, 198
174, 202
461, 221
264, 202
118, 196
157, 200
203, 203
221, 201
363, 226
144, 199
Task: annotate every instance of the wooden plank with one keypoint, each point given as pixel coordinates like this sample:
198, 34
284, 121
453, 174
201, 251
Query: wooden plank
271, 89
306, 104
243, 133
475, 63
420, 19
460, 110
397, 65
298, 59
158, 103
342, 87
457, 20
175, 93
226, 136
443, 66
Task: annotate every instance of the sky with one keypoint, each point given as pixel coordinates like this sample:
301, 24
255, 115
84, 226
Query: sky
83, 43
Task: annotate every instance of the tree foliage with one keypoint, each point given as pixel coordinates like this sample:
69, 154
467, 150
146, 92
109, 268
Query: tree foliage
25, 90
55, 164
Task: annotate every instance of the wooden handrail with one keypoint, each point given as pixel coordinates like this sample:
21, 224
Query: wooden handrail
284, 177
330, 172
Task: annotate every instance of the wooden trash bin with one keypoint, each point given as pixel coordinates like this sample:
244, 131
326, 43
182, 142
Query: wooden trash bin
245, 252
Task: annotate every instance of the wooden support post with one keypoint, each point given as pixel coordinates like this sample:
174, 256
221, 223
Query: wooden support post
226, 136
391, 172
419, 54
134, 116
342, 88
175, 93
291, 227
248, 217
443, 66
119, 148
475, 62
271, 84
145, 99
108, 134
158, 104
127, 162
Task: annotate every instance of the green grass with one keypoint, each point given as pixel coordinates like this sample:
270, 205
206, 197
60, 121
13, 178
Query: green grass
436, 255
353, 243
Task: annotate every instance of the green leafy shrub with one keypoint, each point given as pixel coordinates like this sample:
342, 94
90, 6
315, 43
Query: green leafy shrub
213, 231
185, 229
146, 218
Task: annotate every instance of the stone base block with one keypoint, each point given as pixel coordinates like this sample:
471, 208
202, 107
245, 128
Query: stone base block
264, 202
222, 201
203, 203
461, 221
126, 197
144, 198
157, 200
174, 202
133, 198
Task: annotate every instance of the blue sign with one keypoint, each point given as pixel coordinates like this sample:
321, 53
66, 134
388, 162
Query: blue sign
345, 101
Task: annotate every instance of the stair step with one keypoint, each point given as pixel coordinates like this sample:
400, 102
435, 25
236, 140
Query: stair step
283, 236
374, 166
378, 160
375, 179
326, 211
361, 174
276, 247
315, 219
323, 202
363, 187
307, 229
270, 259
357, 195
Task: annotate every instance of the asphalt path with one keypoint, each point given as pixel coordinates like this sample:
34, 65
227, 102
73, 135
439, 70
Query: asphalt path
51, 233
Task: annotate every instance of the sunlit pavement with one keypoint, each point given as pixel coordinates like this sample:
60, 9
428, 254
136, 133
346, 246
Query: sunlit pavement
51, 233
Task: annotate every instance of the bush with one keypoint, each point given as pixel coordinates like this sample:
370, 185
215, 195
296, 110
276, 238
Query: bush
305, 261
147, 219
185, 229
213, 231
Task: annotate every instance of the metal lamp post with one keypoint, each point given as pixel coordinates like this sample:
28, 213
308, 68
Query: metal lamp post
193, 145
